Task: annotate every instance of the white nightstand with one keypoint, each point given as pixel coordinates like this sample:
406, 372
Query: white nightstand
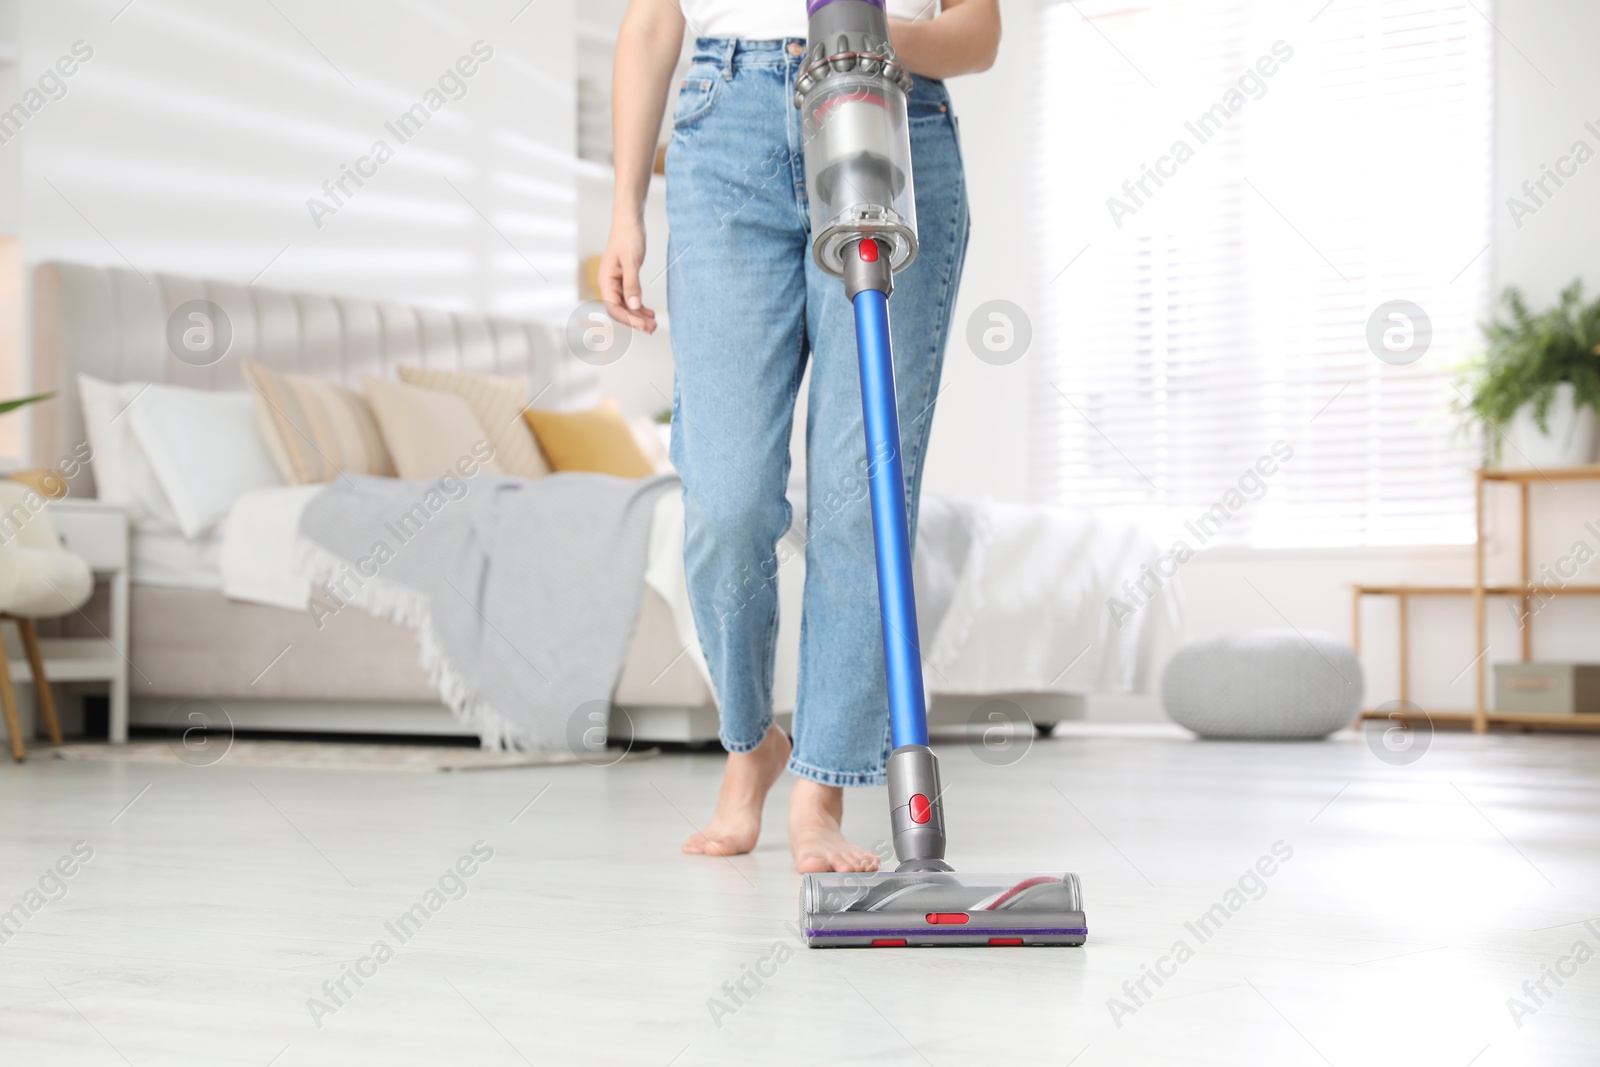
99, 534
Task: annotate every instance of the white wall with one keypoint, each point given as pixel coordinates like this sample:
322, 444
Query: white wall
13, 366
10, 92
193, 138
981, 442
1548, 87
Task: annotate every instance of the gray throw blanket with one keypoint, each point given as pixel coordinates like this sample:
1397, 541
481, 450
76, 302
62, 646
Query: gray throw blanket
524, 593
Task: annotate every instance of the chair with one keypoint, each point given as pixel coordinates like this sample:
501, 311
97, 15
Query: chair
38, 580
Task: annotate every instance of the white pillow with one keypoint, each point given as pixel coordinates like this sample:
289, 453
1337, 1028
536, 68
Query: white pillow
122, 475
205, 449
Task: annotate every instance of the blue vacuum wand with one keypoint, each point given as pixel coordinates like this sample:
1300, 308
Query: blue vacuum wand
851, 91
916, 808
908, 724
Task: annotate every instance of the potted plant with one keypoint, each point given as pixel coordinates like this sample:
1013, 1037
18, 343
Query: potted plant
22, 402
1537, 384
47, 482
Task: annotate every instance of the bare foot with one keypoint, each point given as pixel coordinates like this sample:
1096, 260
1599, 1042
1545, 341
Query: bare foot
736, 823
814, 835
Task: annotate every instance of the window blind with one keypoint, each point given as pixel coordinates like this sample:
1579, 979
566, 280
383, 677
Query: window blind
1235, 194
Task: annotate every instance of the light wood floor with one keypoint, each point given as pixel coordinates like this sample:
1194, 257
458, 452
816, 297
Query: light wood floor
218, 900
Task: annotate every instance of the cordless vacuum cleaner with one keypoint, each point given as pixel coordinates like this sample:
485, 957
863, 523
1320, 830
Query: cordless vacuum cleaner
851, 91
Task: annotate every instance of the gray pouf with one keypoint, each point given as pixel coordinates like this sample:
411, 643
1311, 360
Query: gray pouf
1264, 685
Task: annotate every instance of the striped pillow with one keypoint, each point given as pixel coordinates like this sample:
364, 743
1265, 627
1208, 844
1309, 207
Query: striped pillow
314, 428
497, 404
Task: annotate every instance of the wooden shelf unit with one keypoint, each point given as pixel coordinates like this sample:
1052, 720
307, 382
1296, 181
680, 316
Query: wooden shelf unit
1480, 590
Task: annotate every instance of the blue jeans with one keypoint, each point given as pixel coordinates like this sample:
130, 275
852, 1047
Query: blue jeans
748, 307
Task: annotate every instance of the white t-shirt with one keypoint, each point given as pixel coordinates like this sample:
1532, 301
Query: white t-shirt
765, 20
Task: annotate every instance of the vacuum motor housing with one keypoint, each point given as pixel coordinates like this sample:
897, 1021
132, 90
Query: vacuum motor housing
851, 92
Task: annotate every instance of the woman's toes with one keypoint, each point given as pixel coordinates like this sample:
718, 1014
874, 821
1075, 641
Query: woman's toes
735, 826
812, 863
818, 851
714, 842
860, 860
852, 859
729, 846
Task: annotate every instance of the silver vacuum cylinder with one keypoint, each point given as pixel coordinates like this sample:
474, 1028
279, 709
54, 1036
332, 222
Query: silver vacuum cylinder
851, 92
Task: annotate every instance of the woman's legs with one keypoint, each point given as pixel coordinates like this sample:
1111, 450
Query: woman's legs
736, 295
746, 303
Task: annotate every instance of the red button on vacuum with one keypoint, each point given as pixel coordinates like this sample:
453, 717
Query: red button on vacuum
948, 918
920, 808
888, 942
1005, 941
869, 250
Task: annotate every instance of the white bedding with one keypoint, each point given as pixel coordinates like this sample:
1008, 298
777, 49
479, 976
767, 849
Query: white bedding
1022, 607
259, 536
1030, 608
161, 555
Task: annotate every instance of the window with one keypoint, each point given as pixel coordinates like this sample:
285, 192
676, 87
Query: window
1235, 195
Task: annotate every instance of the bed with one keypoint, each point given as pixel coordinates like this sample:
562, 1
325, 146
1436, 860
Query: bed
358, 673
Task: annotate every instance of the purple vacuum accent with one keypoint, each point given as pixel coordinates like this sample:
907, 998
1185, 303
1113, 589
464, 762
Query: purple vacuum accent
954, 931
813, 5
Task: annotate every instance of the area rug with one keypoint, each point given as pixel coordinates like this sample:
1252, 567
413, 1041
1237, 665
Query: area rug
325, 755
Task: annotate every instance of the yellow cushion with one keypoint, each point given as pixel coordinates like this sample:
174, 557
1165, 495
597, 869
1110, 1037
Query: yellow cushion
497, 404
313, 428
595, 440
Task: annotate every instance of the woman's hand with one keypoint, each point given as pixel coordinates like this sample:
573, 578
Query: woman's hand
619, 276
962, 39
647, 51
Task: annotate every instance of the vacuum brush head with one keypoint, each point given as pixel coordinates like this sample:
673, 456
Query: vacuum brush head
922, 909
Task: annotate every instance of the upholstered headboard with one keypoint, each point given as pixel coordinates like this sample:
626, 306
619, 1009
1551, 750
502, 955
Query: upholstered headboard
112, 323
